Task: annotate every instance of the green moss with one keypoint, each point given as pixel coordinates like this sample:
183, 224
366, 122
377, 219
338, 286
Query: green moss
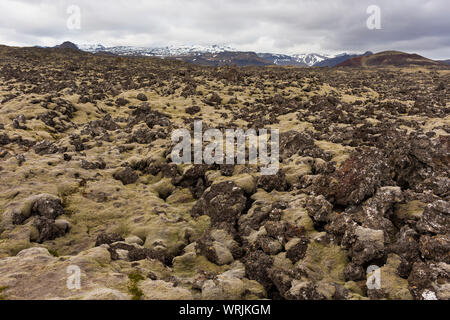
354, 288
17, 246
53, 252
163, 188
133, 289
123, 229
411, 210
325, 262
185, 265
395, 287
1, 292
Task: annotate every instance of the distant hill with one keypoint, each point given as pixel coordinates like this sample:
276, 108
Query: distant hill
67, 45
332, 62
446, 61
390, 58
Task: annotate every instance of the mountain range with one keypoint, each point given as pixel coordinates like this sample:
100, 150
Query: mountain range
168, 51
305, 60
216, 55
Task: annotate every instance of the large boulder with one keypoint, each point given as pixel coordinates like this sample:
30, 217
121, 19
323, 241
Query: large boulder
435, 218
364, 244
47, 206
218, 246
126, 176
223, 203
357, 179
430, 281
48, 229
436, 248
41, 205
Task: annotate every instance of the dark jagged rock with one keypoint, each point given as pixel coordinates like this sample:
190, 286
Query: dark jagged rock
300, 143
126, 176
435, 218
120, 102
88, 165
257, 267
407, 248
193, 110
273, 182
48, 229
46, 147
358, 178
141, 97
147, 136
224, 203
107, 238
436, 248
364, 244
47, 207
4, 139
298, 250
428, 280
319, 208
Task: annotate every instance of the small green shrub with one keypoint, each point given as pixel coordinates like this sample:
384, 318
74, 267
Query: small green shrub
133, 289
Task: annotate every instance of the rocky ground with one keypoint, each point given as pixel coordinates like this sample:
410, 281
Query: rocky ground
87, 181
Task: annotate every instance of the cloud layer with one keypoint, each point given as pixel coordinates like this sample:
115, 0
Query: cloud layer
283, 26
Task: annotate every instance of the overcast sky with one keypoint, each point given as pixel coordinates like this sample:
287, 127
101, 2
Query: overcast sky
284, 26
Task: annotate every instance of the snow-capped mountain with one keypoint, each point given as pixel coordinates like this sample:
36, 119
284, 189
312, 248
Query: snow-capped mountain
295, 59
158, 51
311, 59
91, 47
207, 55
190, 50
281, 59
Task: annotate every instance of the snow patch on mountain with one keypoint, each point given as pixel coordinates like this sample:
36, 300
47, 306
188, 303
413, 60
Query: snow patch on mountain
91, 47
167, 51
303, 59
311, 58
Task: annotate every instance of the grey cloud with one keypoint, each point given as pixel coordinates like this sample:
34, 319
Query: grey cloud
282, 26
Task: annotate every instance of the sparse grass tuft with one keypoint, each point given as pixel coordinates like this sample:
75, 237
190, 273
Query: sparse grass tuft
14, 250
133, 289
123, 229
53, 252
